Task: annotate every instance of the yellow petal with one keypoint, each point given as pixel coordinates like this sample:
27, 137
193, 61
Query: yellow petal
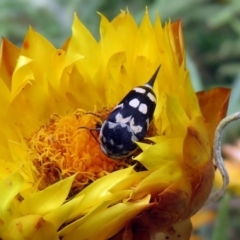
100, 188
126, 29
188, 98
158, 30
115, 72
87, 47
110, 43
178, 120
4, 99
213, 104
60, 67
18, 149
59, 215
113, 219
9, 188
8, 59
129, 182
157, 181
107, 201
176, 40
163, 151
48, 199
22, 75
146, 44
32, 227
6, 168
196, 148
37, 48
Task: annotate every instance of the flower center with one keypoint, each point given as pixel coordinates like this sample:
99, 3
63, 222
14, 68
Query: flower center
69, 145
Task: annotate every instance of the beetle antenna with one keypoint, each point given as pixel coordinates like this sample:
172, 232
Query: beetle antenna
94, 114
153, 78
91, 130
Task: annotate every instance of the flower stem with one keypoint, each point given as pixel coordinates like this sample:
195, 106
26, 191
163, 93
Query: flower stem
217, 154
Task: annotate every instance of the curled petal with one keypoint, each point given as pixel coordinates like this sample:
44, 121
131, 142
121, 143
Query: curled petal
213, 105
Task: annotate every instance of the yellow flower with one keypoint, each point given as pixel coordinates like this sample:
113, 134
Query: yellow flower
56, 182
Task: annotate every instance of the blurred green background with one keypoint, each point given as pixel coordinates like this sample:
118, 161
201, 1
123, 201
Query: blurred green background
211, 31
211, 28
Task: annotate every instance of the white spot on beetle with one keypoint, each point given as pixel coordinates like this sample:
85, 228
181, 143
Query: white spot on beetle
103, 149
143, 108
135, 128
140, 90
151, 97
119, 118
111, 125
147, 121
134, 138
149, 86
134, 103
119, 106
120, 146
111, 142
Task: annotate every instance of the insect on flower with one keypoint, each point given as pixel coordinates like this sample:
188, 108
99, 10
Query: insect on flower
129, 121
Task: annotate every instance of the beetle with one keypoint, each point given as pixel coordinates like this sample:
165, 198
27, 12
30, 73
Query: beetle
129, 121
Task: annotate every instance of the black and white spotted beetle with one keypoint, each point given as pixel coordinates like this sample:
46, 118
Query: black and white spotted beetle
129, 121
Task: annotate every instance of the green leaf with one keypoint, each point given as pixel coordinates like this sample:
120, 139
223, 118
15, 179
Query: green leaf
194, 75
221, 225
232, 130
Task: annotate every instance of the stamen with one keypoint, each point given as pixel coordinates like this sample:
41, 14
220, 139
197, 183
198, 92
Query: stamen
62, 148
